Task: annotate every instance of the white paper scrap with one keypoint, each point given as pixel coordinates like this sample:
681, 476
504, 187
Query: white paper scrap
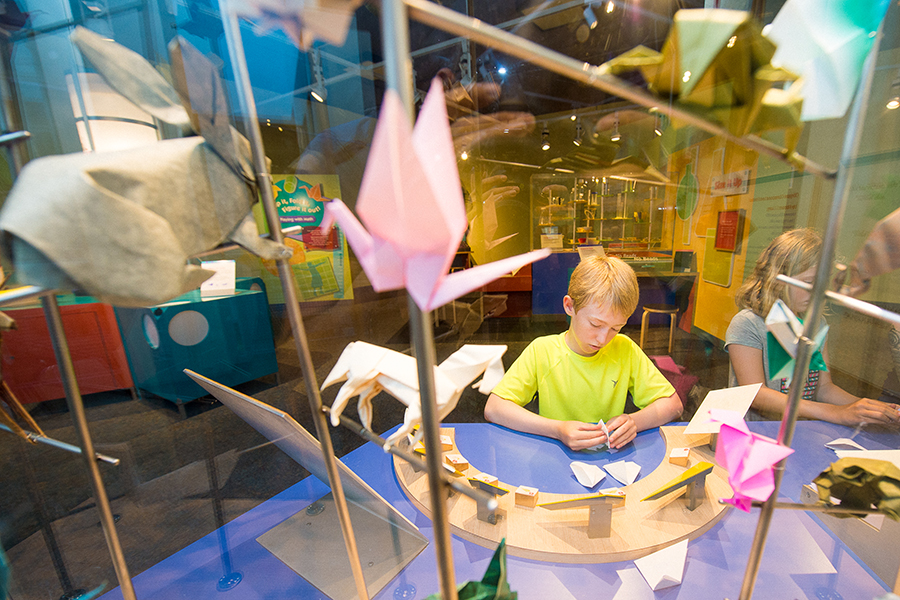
843, 444
587, 475
664, 568
624, 471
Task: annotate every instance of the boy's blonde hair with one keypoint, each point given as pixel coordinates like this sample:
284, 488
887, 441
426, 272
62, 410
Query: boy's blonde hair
605, 281
791, 253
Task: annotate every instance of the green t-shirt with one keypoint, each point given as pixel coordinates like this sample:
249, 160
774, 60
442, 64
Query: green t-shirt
572, 387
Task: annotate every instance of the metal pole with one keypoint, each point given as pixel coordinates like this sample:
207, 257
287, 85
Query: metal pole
456, 23
398, 75
813, 315
76, 407
288, 286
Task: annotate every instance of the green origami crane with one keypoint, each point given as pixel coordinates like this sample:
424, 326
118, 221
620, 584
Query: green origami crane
782, 337
493, 586
862, 483
716, 63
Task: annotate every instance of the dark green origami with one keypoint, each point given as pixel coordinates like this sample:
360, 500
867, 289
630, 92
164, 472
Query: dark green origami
862, 483
493, 586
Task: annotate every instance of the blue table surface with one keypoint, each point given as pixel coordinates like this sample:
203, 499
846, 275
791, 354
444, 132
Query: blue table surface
802, 559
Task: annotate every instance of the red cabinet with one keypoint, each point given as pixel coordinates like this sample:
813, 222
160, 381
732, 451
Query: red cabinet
29, 364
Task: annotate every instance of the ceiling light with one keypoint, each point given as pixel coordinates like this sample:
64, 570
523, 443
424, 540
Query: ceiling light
545, 139
579, 133
616, 136
464, 155
610, 6
502, 70
657, 126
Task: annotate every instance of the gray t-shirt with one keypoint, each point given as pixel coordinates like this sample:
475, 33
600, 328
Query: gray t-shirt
749, 329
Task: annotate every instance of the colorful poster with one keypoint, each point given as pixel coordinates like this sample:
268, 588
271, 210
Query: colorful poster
319, 262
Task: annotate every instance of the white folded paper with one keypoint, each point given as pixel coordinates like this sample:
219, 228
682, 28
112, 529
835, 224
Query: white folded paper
624, 471
664, 568
736, 399
587, 475
843, 444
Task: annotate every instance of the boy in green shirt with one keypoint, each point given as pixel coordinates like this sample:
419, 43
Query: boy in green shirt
585, 374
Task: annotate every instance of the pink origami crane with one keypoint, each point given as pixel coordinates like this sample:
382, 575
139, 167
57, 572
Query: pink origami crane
748, 457
412, 205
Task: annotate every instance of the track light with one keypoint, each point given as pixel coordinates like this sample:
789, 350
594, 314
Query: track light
657, 126
590, 17
610, 6
464, 155
318, 90
545, 139
894, 102
579, 133
616, 136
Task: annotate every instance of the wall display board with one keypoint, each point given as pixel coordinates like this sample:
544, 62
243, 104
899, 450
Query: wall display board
320, 261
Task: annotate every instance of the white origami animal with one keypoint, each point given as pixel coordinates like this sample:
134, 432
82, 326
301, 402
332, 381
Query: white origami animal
370, 369
121, 225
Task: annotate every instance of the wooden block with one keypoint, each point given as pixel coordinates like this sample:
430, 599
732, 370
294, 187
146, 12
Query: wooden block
526, 496
679, 456
457, 461
489, 479
446, 443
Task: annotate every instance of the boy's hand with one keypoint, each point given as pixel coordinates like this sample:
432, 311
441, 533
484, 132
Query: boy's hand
580, 436
622, 430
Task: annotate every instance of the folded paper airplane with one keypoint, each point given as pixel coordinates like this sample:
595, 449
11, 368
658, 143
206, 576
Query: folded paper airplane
411, 203
826, 43
783, 335
624, 471
749, 459
664, 568
370, 369
587, 474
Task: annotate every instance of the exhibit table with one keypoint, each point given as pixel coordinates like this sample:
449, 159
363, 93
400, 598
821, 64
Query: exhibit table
802, 559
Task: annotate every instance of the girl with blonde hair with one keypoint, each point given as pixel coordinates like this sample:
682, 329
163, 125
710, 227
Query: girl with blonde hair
795, 253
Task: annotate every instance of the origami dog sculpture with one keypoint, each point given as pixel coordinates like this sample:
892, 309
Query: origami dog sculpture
122, 225
370, 369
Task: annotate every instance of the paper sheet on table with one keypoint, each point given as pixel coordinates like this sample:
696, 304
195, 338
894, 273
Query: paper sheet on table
826, 43
411, 203
843, 444
736, 399
748, 457
624, 471
888, 455
664, 568
587, 475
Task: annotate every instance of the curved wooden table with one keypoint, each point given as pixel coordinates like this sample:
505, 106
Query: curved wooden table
638, 528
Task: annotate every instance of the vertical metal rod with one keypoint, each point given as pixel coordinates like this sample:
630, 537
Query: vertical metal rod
76, 407
805, 349
398, 75
289, 287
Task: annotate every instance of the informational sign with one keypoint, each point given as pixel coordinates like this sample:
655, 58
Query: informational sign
730, 184
319, 262
728, 230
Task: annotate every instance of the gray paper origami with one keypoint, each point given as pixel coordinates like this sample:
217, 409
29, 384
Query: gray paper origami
121, 226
